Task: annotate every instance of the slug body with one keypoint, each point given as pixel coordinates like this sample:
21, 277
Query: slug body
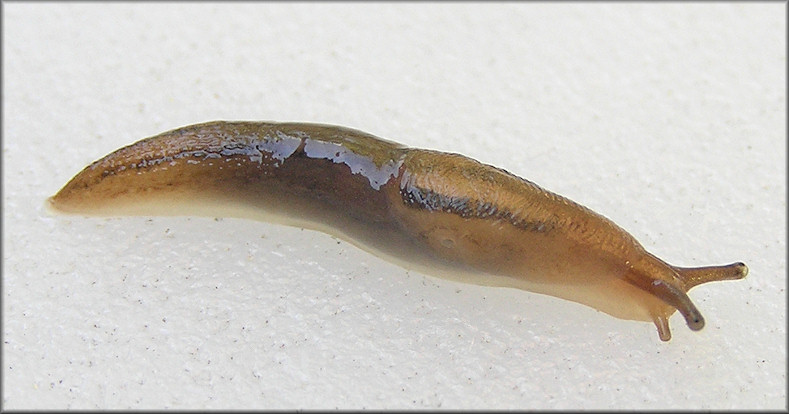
442, 214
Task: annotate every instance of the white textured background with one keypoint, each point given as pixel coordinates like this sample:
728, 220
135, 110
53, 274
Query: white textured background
667, 118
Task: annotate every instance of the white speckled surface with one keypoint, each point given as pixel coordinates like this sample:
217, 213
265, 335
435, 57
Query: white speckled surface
667, 118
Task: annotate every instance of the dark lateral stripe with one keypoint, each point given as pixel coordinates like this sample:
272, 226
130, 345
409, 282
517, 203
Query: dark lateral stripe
465, 207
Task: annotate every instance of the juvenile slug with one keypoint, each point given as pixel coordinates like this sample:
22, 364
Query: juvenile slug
439, 213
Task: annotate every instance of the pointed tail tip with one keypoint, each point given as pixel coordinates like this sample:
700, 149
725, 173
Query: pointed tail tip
57, 205
51, 206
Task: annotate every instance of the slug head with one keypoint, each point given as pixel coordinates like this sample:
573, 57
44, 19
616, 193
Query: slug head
670, 285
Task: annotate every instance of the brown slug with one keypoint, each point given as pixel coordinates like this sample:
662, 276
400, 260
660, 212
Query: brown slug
442, 214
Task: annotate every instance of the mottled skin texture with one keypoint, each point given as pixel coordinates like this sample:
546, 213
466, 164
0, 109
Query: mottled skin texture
443, 214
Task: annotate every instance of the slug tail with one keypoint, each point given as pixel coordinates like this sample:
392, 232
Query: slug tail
50, 206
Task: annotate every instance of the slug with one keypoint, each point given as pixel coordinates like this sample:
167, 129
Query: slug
442, 214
